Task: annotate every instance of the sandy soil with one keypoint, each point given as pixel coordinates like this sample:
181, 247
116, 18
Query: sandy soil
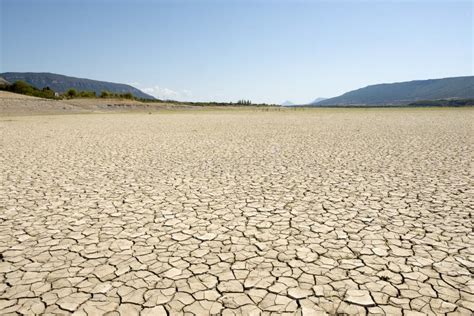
301, 212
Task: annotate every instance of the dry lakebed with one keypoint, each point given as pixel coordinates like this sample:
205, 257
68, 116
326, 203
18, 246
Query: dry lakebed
238, 212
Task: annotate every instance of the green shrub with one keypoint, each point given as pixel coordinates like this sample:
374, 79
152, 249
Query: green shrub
22, 87
71, 93
48, 93
105, 94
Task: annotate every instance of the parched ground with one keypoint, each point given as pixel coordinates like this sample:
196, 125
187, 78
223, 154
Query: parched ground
14, 104
238, 212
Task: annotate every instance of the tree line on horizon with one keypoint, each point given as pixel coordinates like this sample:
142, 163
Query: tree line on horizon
22, 87
244, 102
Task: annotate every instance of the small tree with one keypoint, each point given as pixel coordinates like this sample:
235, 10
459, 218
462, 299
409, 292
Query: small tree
71, 93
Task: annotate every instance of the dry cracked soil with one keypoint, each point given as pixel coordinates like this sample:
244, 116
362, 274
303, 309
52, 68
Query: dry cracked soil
297, 212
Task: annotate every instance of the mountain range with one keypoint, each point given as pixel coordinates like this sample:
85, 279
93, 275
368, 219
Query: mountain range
61, 83
403, 93
399, 93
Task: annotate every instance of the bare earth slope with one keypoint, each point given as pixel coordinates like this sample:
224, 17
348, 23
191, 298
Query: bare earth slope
238, 212
18, 104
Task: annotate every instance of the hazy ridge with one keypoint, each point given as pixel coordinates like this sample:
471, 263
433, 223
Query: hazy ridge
401, 93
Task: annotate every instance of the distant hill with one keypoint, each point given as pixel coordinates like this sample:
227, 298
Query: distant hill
60, 83
404, 93
317, 100
287, 103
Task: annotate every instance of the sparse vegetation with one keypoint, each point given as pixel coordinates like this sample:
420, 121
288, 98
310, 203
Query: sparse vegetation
450, 102
23, 87
108, 94
238, 103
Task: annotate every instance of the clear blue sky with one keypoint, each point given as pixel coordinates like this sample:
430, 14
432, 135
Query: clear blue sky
265, 51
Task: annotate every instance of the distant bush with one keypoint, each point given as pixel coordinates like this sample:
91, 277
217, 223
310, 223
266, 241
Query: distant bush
87, 94
104, 94
127, 95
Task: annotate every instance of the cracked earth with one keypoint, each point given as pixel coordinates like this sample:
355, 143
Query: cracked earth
300, 212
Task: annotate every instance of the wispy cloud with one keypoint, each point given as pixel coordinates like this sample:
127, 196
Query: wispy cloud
166, 93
